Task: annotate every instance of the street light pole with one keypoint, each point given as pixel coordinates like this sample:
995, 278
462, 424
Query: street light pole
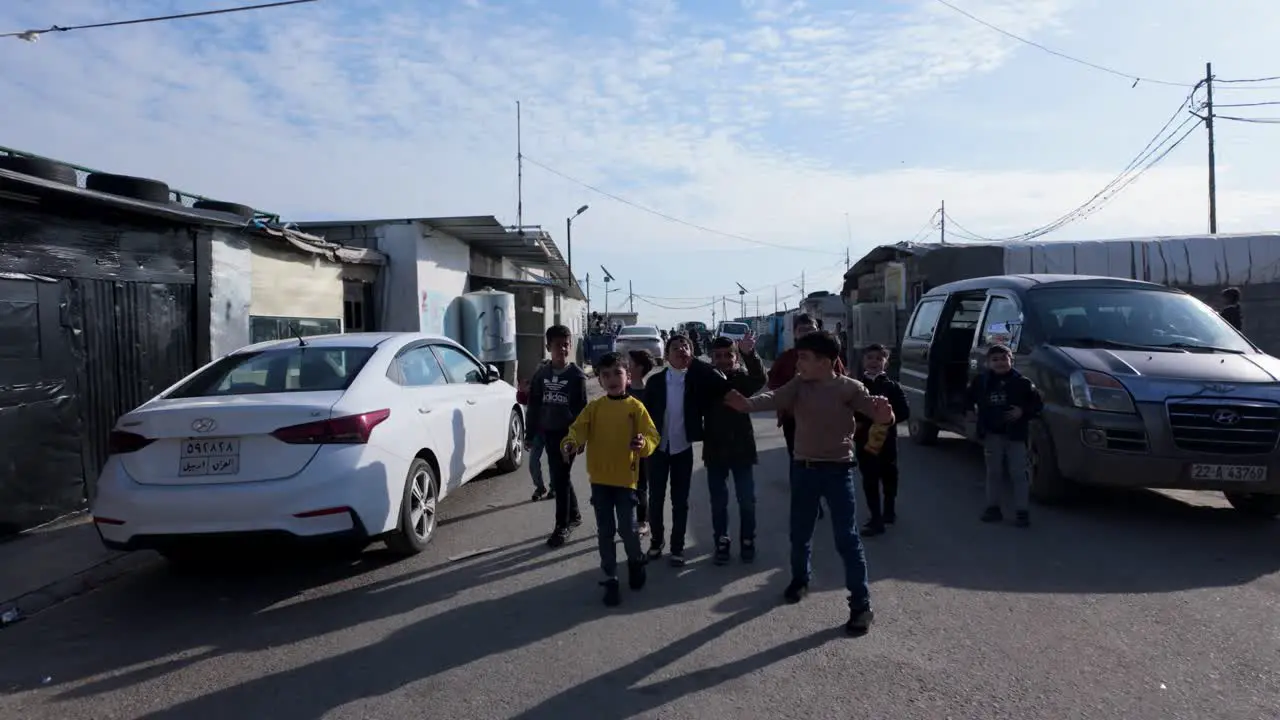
568, 235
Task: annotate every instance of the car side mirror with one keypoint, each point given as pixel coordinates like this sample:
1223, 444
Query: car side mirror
493, 373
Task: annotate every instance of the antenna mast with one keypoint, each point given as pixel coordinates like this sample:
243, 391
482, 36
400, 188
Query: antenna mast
519, 174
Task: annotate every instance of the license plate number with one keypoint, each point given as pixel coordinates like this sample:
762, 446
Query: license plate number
1229, 473
209, 456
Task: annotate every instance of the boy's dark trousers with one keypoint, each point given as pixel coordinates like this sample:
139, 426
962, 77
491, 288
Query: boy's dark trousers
677, 471
642, 492
879, 482
616, 515
566, 499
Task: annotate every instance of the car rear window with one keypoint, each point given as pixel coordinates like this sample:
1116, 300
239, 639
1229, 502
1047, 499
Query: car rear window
734, 328
638, 330
291, 369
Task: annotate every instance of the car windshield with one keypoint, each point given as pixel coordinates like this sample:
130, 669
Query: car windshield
700, 327
1128, 316
733, 329
642, 330
289, 369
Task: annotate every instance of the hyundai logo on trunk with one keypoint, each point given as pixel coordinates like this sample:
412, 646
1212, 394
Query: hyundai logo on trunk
1226, 416
204, 425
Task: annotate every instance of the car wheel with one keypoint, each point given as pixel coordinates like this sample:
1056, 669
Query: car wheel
923, 433
417, 510
515, 444
1048, 485
1260, 506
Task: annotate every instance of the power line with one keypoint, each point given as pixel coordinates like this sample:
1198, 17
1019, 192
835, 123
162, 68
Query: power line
1159, 147
1250, 80
33, 35
1260, 121
1111, 71
672, 218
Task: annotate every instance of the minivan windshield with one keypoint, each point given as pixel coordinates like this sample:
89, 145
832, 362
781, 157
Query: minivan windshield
298, 368
731, 328
1131, 316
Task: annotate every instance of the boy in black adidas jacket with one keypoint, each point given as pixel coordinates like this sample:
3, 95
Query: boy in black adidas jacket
876, 446
1006, 401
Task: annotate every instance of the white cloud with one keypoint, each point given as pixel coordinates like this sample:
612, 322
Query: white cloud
335, 110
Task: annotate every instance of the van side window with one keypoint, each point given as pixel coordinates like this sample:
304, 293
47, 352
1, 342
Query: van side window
1000, 311
926, 319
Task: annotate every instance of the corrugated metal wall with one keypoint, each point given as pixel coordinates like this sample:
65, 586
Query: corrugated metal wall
139, 339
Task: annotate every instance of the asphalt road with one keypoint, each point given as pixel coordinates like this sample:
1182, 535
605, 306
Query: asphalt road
1130, 606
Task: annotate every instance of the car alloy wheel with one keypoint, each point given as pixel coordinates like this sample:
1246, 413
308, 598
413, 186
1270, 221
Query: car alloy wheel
516, 440
422, 506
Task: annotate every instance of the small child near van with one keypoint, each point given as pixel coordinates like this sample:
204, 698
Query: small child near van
876, 444
617, 432
1006, 401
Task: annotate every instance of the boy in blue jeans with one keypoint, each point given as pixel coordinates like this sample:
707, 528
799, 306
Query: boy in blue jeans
618, 433
824, 403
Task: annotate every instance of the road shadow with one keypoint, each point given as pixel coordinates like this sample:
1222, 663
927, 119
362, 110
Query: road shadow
1111, 541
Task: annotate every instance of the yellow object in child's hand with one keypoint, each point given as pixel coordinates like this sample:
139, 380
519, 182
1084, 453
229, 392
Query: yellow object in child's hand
876, 438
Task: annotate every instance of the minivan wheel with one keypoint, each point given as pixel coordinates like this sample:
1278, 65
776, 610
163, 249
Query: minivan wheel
417, 511
510, 462
1254, 505
1048, 485
923, 433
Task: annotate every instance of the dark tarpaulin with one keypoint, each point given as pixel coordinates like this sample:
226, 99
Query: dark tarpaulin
40, 457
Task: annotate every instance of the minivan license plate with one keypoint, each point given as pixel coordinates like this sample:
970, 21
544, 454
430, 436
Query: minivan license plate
209, 456
1229, 473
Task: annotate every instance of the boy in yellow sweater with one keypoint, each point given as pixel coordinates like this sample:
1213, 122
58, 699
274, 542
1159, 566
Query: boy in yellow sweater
616, 432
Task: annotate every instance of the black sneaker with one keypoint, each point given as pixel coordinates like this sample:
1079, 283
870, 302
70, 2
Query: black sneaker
992, 515
795, 592
636, 574
676, 558
539, 494
575, 521
1022, 519
890, 517
872, 528
551, 494
859, 622
558, 537
724, 551
612, 593
748, 550
655, 550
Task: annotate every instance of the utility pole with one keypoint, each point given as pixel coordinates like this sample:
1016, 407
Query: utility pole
802, 295
724, 311
519, 174
942, 215
775, 299
631, 297
1213, 171
588, 288
742, 298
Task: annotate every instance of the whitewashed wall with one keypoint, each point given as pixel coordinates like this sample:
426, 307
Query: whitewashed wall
231, 292
443, 263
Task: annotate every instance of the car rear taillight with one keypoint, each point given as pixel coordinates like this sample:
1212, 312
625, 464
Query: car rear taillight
349, 430
120, 442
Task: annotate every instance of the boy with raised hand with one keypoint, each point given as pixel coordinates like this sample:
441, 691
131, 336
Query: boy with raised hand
824, 404
729, 448
617, 433
557, 394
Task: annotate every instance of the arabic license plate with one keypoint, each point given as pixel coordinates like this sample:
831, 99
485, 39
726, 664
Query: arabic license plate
209, 456
1229, 473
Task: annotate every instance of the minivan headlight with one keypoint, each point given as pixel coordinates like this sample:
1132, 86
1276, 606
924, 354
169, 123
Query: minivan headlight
1099, 391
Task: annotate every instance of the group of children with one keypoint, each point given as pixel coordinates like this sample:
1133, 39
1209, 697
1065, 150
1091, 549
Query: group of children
639, 440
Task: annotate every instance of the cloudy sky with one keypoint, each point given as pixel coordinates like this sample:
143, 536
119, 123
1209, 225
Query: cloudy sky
777, 133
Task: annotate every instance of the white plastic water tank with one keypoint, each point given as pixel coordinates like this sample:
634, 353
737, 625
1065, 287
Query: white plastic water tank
488, 319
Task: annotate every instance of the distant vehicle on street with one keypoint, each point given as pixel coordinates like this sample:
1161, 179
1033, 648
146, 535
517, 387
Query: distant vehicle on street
1145, 386
733, 330
349, 438
641, 337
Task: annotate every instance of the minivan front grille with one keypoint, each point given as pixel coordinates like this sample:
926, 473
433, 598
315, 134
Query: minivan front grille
1230, 427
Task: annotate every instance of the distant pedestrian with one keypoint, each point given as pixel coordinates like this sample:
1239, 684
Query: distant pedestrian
729, 448
557, 394
877, 444
617, 433
784, 369
1006, 401
824, 404
1231, 308
640, 364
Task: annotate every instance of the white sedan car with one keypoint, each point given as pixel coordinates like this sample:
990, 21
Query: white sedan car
641, 337
350, 437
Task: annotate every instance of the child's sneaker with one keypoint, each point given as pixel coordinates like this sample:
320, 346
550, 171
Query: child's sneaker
636, 574
655, 550
1022, 519
575, 521
748, 550
859, 622
992, 515
795, 592
539, 494
551, 494
676, 559
612, 593
724, 551
872, 528
558, 537
890, 516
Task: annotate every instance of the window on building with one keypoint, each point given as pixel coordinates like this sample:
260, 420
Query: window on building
357, 306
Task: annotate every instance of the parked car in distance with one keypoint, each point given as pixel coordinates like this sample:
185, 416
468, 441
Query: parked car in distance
641, 337
1144, 385
347, 438
735, 331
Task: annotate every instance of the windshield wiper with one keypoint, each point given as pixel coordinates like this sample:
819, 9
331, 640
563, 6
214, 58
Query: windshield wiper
1193, 346
1103, 342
